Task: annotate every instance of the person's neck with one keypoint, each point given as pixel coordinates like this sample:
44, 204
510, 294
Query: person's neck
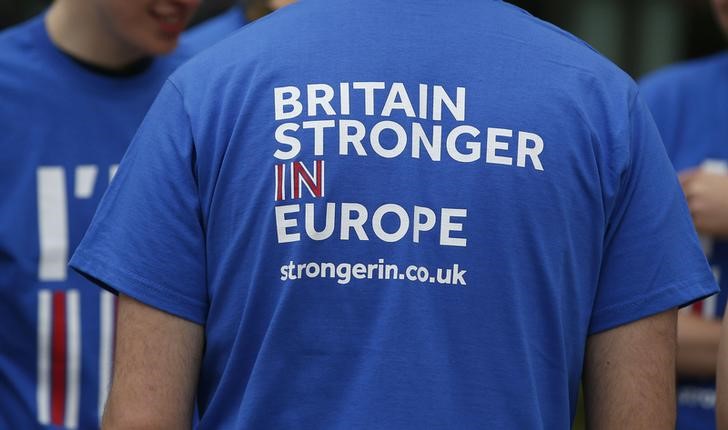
75, 29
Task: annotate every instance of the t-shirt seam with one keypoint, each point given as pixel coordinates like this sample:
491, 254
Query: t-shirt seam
198, 194
627, 131
200, 306
184, 105
190, 130
694, 280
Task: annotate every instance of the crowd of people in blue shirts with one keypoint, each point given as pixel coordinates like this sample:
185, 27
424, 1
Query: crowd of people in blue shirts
180, 210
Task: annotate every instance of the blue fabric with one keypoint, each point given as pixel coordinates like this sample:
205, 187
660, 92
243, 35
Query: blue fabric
689, 102
55, 114
213, 30
322, 301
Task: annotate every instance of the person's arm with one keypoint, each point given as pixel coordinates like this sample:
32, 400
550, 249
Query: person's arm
156, 364
629, 375
707, 196
721, 404
697, 346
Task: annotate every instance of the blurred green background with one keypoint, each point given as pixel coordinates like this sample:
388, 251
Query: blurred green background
639, 35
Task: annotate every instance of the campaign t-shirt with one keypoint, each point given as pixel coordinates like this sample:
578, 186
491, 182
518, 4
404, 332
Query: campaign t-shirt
689, 102
397, 214
64, 131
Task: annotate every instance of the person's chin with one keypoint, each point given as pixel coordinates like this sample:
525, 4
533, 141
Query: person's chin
160, 45
724, 26
166, 47
723, 17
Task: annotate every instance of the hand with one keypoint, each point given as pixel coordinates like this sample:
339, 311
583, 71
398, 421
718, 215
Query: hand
707, 196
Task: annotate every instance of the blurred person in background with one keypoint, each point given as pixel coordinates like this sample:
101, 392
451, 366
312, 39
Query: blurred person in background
217, 27
266, 225
76, 82
722, 379
689, 102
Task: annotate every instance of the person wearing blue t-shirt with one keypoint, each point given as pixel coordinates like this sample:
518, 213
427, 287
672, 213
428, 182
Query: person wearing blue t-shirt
689, 102
75, 83
721, 404
217, 28
396, 215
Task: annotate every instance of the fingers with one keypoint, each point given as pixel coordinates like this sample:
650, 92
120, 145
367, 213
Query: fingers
707, 198
687, 176
690, 183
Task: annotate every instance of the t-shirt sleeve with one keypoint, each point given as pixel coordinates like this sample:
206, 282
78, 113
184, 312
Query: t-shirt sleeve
652, 260
146, 240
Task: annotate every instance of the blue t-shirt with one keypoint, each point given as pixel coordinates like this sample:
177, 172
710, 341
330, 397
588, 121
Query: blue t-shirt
397, 214
64, 130
213, 30
690, 105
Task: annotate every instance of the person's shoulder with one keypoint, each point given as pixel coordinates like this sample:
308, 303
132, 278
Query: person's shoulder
686, 76
216, 61
20, 31
20, 50
19, 38
167, 64
281, 29
556, 45
196, 42
213, 30
571, 71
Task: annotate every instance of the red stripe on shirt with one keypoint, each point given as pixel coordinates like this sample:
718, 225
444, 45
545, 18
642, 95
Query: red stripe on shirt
280, 173
58, 359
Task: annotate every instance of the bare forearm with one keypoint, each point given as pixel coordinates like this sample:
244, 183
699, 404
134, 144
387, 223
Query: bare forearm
155, 372
697, 346
629, 375
722, 379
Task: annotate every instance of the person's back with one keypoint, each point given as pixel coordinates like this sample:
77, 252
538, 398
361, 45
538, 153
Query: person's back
405, 214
